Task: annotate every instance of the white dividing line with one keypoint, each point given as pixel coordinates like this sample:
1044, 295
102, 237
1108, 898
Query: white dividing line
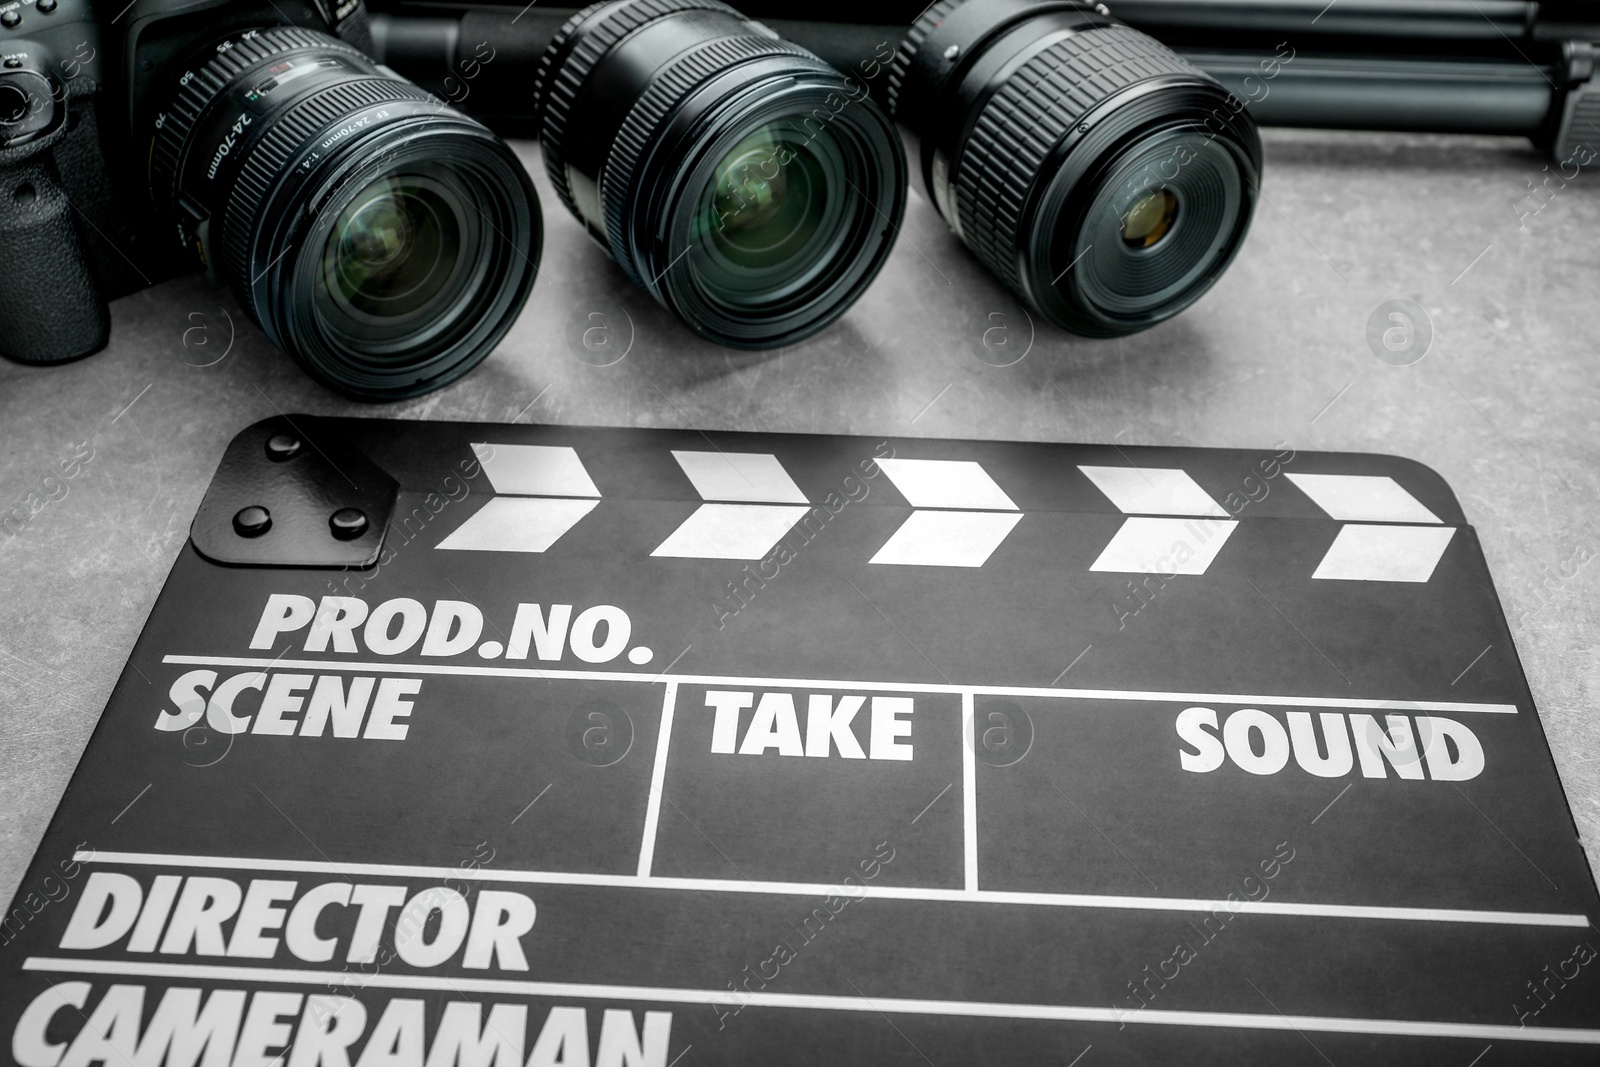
462, 670
969, 793
820, 1001
658, 776
815, 889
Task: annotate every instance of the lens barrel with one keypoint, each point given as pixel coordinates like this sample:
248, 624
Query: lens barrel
383, 239
749, 187
1102, 177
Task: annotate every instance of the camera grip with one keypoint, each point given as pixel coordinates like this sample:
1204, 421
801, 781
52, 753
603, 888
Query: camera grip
55, 311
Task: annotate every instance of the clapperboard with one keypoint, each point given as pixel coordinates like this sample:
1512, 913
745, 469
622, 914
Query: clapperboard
458, 745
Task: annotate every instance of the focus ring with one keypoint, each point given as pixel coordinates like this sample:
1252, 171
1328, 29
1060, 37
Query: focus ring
638, 132
262, 171
557, 87
208, 81
1031, 113
900, 69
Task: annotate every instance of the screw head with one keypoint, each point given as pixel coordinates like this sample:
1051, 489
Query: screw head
953, 51
1083, 127
348, 524
252, 521
282, 446
1101, 9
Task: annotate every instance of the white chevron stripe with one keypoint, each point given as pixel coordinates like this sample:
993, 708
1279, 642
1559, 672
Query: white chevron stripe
518, 524
731, 531
542, 470
1385, 553
1362, 498
740, 477
946, 483
1165, 546
1153, 491
947, 538
963, 515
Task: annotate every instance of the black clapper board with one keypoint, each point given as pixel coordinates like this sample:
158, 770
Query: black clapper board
643, 747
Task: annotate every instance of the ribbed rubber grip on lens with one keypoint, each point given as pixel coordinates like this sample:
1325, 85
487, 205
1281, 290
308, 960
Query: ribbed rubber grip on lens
1025, 119
556, 88
900, 68
205, 82
666, 92
263, 169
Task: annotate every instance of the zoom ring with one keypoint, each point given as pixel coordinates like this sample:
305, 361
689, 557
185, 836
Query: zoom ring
1030, 114
262, 170
556, 88
639, 129
900, 69
200, 87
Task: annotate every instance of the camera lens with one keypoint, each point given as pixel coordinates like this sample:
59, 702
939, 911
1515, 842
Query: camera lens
383, 239
749, 187
1101, 176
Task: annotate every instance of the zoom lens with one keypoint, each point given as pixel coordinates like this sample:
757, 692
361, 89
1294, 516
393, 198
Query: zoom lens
384, 240
749, 187
1102, 177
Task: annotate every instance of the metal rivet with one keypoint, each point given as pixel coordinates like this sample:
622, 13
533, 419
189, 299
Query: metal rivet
348, 524
282, 446
953, 51
252, 521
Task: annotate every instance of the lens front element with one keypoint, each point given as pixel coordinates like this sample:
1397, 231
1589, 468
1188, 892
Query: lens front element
762, 213
1149, 218
396, 254
1141, 249
772, 223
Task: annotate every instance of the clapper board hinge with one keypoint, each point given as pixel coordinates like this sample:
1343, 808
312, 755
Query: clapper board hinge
291, 492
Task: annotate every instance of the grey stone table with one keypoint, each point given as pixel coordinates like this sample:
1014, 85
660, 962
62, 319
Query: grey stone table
1506, 405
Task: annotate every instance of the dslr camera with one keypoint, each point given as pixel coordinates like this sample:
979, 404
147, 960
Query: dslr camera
380, 237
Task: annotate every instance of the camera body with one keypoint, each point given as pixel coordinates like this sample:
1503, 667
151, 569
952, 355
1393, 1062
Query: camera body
81, 91
380, 237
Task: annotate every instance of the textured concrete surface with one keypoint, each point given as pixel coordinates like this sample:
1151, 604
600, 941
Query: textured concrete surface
1506, 406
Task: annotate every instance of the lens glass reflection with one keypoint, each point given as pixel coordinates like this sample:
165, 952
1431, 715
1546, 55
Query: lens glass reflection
767, 202
394, 249
1149, 218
